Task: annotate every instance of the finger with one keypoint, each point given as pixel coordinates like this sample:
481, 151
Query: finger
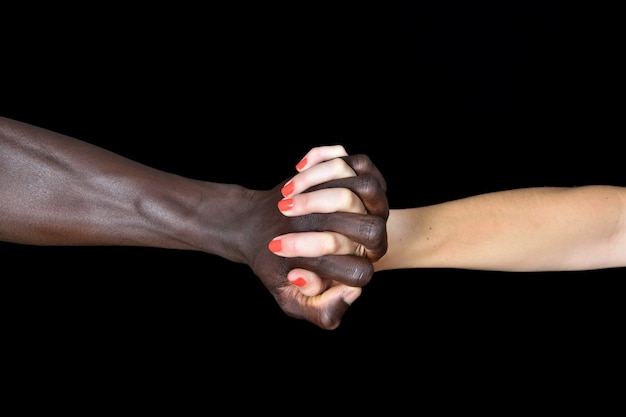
370, 190
318, 174
329, 200
308, 282
367, 231
319, 154
351, 270
351, 231
325, 310
328, 308
363, 165
312, 244
369, 184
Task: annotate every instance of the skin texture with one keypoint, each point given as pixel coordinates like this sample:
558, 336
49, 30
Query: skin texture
58, 190
521, 230
322, 165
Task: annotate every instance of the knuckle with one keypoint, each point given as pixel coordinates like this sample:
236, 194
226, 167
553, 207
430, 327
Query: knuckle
374, 229
363, 274
333, 244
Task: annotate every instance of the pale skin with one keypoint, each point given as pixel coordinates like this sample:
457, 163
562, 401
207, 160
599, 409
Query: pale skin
521, 230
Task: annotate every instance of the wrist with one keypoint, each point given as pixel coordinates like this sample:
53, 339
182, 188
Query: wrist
210, 217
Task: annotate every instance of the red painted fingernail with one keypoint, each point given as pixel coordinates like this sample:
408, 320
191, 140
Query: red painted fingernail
287, 189
275, 245
301, 164
298, 282
285, 205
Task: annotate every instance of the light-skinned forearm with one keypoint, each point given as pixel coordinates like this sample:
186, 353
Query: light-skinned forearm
533, 229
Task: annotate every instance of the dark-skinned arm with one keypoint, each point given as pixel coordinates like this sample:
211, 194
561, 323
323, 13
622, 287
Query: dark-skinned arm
59, 190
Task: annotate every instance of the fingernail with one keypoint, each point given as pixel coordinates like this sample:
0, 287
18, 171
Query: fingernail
350, 295
287, 189
275, 245
285, 205
301, 164
298, 282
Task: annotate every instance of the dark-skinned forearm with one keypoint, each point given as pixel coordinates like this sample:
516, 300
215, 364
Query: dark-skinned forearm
57, 190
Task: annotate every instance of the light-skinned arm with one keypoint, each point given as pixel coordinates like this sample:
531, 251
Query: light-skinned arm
520, 230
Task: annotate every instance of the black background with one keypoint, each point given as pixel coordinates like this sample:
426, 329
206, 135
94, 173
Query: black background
449, 99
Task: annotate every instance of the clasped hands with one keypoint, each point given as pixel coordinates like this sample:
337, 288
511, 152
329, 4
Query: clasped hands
329, 228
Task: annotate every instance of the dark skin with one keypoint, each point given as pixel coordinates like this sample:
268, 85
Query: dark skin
58, 190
